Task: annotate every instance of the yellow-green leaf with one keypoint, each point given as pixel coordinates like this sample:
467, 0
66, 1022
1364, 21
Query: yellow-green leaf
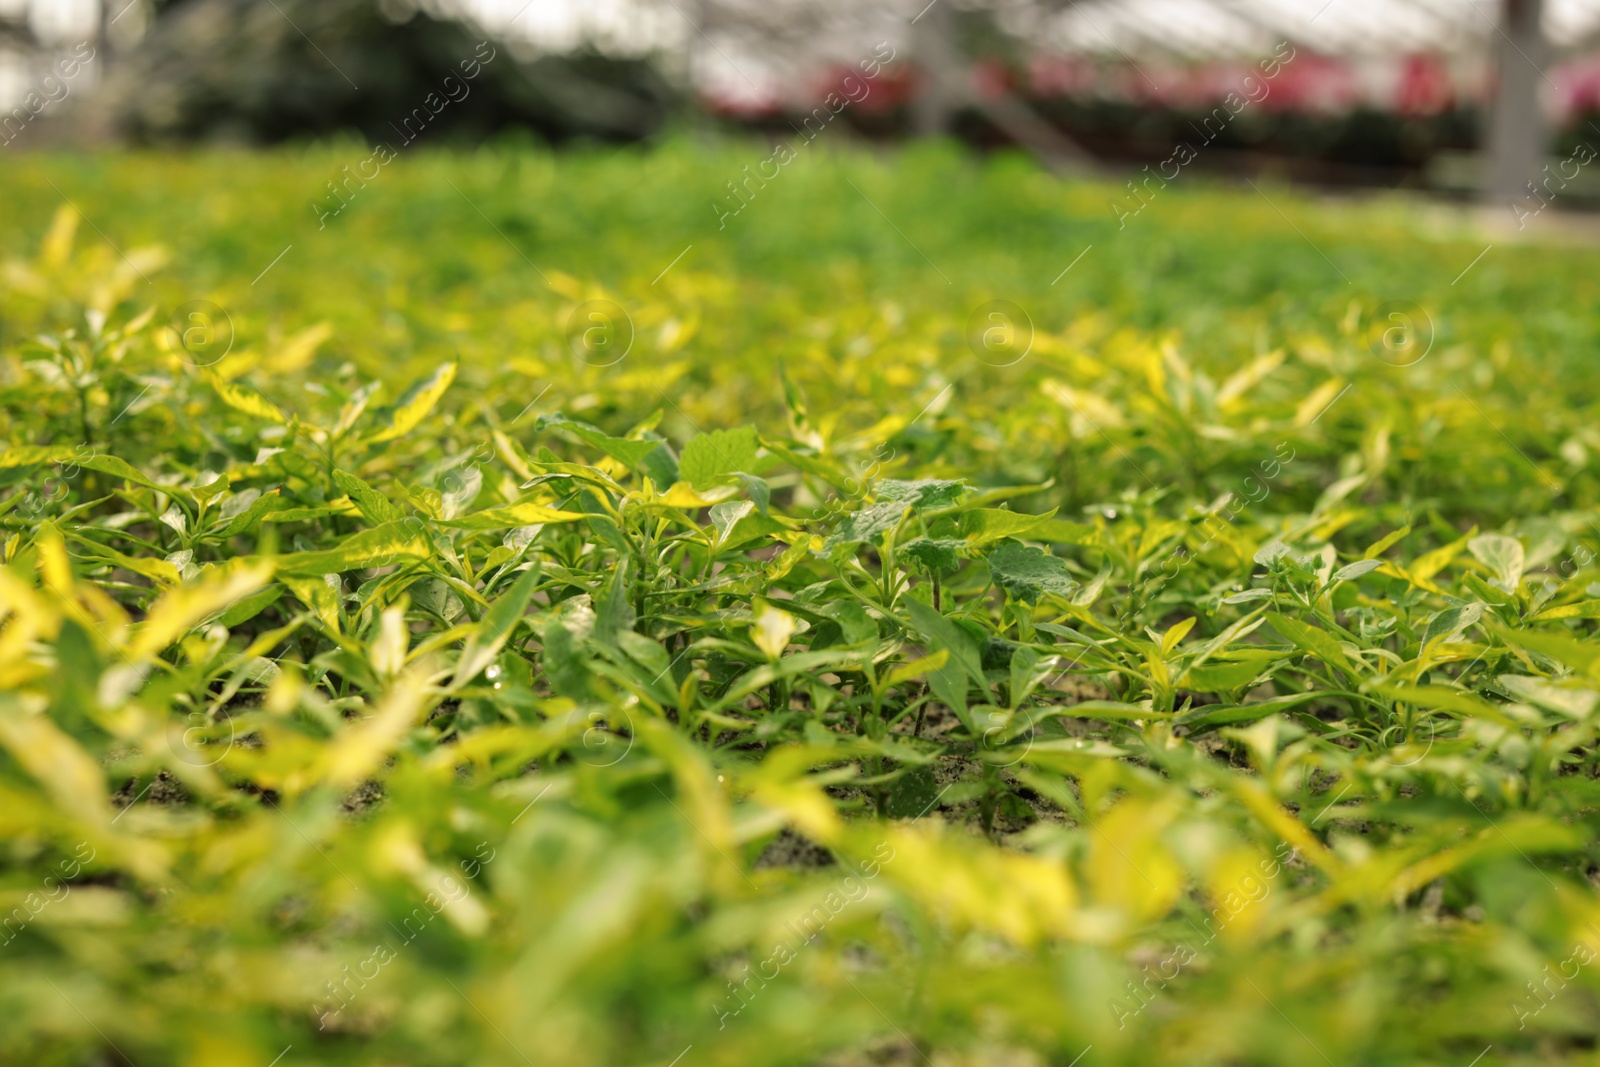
243, 398
414, 406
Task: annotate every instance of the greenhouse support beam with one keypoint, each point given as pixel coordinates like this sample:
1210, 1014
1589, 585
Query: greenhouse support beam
1518, 138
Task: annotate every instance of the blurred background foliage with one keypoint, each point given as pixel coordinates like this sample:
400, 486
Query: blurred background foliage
1396, 95
258, 71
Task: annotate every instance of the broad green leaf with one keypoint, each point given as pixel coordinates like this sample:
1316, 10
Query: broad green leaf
1027, 573
926, 494
857, 629
652, 657
710, 455
937, 556
984, 526
1502, 555
613, 606
1271, 552
965, 667
1569, 697
725, 516
760, 492
870, 522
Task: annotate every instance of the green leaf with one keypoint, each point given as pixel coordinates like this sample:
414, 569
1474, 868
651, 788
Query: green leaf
710, 455
913, 794
940, 556
1569, 697
75, 455
1584, 609
660, 467
965, 668
917, 667
760, 492
243, 398
1270, 552
926, 494
652, 657
415, 403
1318, 642
1501, 554
36, 455
393, 542
857, 629
1379, 547
495, 629
869, 522
1451, 621
1227, 675
316, 592
726, 515
249, 607
983, 526
564, 663
269, 503
513, 515
629, 453
613, 608
1351, 571
373, 505
1581, 656
461, 488
1062, 532
1227, 714
1447, 698
1108, 710
1027, 573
